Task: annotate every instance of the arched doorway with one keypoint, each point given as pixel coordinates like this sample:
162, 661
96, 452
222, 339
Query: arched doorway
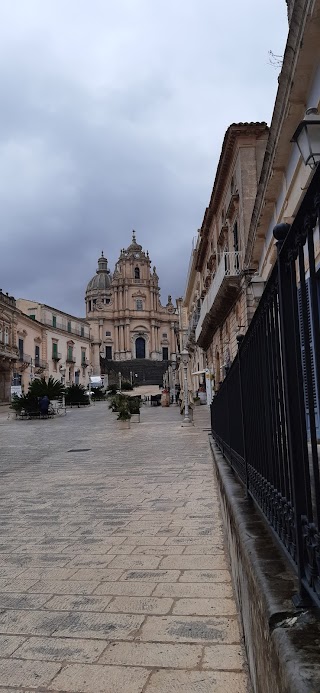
140, 348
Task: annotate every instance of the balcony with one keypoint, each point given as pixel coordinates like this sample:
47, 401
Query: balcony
220, 297
84, 363
64, 326
24, 360
8, 351
56, 356
70, 358
40, 365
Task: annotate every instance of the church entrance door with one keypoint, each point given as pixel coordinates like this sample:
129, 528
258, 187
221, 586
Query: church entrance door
140, 348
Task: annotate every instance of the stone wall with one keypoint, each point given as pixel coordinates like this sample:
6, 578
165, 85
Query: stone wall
281, 641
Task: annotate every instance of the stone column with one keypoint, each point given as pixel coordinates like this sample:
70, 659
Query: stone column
128, 345
152, 343
173, 341
116, 340
115, 298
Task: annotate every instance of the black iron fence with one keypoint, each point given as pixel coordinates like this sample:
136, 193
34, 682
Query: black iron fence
265, 416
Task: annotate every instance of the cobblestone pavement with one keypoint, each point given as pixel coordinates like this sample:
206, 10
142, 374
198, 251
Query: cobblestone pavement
113, 577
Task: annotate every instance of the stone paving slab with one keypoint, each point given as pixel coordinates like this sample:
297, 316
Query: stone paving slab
113, 574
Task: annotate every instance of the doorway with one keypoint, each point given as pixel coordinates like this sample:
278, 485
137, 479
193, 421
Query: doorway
140, 348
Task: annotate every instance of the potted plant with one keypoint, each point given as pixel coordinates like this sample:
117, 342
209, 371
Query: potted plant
124, 417
134, 408
196, 401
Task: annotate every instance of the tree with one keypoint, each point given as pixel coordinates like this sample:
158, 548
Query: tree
40, 387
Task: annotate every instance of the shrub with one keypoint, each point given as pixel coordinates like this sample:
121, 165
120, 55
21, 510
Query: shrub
40, 387
112, 390
27, 402
98, 393
125, 385
117, 402
76, 394
134, 404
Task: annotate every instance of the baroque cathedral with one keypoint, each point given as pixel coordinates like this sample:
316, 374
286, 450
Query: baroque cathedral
127, 320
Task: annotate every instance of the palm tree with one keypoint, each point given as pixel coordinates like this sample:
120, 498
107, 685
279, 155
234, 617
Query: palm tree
40, 387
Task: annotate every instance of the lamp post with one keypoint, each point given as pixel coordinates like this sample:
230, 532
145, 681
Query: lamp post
63, 375
173, 366
185, 361
307, 137
89, 384
120, 379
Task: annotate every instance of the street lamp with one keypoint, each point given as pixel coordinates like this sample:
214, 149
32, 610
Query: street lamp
307, 137
120, 380
62, 370
185, 361
173, 366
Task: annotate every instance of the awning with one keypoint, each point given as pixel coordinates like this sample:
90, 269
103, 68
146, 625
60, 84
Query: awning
95, 381
200, 372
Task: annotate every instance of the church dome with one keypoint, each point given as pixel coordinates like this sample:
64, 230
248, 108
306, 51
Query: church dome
101, 280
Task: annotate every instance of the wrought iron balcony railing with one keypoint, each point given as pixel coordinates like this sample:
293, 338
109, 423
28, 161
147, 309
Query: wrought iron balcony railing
56, 356
24, 358
220, 296
40, 364
70, 358
74, 329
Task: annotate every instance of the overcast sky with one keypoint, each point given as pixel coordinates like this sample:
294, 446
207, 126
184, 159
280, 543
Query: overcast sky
112, 118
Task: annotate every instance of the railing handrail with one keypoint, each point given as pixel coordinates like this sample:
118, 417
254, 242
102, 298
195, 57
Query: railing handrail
265, 415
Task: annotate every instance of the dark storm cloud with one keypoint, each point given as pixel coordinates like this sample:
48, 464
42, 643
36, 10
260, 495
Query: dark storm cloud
112, 118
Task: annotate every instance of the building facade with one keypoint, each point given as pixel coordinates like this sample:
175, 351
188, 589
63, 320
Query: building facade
65, 350
127, 320
32, 351
8, 343
219, 298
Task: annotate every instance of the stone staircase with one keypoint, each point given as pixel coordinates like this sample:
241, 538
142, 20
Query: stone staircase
148, 372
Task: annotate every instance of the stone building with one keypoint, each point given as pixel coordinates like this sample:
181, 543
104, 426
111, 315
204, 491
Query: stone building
32, 351
219, 295
65, 349
8, 345
127, 320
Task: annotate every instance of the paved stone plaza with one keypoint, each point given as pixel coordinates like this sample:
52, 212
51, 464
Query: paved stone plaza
113, 576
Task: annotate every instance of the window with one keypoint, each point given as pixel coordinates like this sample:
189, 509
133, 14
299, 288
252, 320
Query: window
32, 317
108, 334
109, 353
6, 335
54, 321
139, 304
54, 349
165, 335
136, 273
70, 353
165, 353
69, 325
82, 331
83, 355
16, 379
89, 306
36, 355
20, 345
107, 300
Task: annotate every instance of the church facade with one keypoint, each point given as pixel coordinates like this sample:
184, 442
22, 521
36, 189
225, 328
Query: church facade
127, 320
